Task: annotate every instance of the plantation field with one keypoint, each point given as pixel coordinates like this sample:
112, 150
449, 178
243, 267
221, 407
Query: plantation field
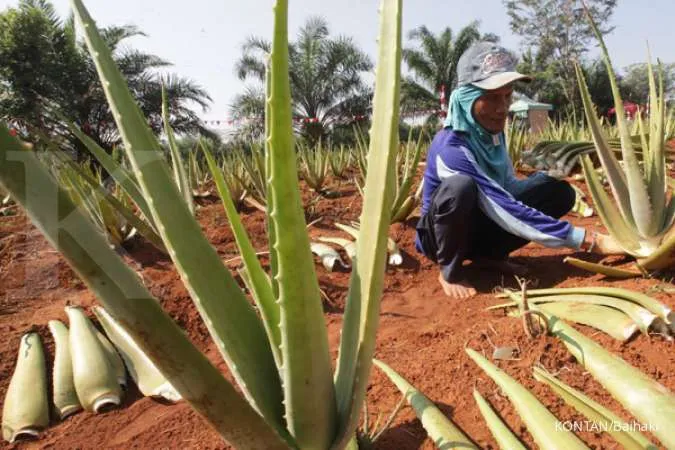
422, 334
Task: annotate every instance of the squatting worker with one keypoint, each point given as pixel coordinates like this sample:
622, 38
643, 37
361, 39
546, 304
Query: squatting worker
473, 206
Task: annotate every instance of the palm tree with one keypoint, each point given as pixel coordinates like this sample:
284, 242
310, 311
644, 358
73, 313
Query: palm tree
433, 65
325, 76
62, 84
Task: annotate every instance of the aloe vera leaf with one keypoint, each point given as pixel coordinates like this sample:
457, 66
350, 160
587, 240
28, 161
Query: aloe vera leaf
538, 419
149, 379
502, 434
94, 374
618, 227
642, 317
629, 438
271, 234
260, 284
395, 258
63, 386
442, 431
26, 408
663, 257
650, 402
307, 369
119, 289
644, 212
362, 310
614, 172
233, 324
602, 269
114, 358
121, 175
656, 171
179, 174
644, 300
610, 320
349, 246
329, 257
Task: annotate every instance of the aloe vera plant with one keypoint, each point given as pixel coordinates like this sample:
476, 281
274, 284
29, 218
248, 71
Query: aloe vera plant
277, 407
641, 219
26, 409
314, 166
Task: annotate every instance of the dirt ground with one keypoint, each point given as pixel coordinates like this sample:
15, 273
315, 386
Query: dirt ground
422, 334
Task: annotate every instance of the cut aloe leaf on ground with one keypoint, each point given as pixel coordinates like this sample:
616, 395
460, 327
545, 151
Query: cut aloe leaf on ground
94, 374
609, 320
395, 258
539, 420
650, 402
602, 269
148, 378
26, 409
627, 436
502, 434
641, 316
329, 257
63, 385
442, 431
346, 244
115, 359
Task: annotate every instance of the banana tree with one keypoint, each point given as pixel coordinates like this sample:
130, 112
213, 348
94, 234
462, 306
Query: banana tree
280, 359
642, 215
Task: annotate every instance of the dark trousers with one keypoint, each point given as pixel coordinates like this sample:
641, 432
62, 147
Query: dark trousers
455, 229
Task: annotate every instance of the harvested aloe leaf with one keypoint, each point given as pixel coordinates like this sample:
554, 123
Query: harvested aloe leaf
94, 374
641, 316
650, 402
443, 432
65, 397
115, 359
329, 257
539, 420
609, 320
628, 437
502, 434
149, 379
349, 246
26, 409
395, 258
641, 299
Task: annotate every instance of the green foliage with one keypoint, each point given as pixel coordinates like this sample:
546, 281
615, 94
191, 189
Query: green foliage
325, 78
635, 83
434, 64
556, 35
46, 74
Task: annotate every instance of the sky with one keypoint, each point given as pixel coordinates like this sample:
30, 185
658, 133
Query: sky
203, 38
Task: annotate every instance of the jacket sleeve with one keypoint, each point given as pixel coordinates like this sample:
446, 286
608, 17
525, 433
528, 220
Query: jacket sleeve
500, 206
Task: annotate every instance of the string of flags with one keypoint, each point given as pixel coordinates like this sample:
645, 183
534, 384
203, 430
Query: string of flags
298, 120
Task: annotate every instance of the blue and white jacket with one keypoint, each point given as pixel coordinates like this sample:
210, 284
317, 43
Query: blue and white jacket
449, 155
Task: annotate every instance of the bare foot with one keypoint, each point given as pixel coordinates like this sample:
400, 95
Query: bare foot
503, 265
460, 290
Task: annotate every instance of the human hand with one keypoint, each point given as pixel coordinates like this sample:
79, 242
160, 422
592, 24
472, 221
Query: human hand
602, 244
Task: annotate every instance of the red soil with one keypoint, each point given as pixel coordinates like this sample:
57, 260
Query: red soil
422, 334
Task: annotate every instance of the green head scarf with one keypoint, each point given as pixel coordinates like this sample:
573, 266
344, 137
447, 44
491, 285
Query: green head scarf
488, 149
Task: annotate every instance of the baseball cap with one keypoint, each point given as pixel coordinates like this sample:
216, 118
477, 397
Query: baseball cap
488, 66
